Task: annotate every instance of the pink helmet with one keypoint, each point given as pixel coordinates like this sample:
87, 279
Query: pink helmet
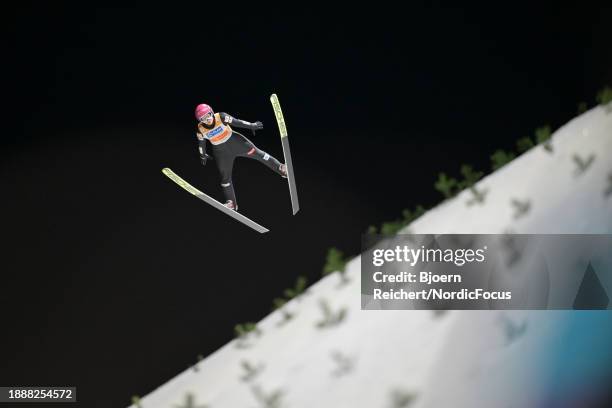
201, 110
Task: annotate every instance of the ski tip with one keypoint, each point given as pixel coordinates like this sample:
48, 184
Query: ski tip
273, 97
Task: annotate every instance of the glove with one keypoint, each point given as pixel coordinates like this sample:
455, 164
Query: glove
205, 158
257, 125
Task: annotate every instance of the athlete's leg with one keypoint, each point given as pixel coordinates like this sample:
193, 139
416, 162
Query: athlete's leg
251, 151
225, 163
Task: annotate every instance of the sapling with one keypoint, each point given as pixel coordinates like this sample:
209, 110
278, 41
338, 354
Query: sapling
500, 158
371, 237
524, 144
581, 164
190, 402
394, 227
279, 303
410, 216
478, 196
509, 242
512, 331
267, 400
521, 208
391, 228
250, 371
243, 331
604, 97
330, 318
136, 401
446, 185
335, 262
542, 135
402, 399
298, 289
470, 177
344, 364
195, 366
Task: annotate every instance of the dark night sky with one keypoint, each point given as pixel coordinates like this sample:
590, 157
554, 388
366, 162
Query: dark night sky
114, 279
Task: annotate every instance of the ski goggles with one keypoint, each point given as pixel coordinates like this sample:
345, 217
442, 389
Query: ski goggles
206, 117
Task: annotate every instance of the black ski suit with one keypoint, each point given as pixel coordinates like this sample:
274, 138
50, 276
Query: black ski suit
235, 145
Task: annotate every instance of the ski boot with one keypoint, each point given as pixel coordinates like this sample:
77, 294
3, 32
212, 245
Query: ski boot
230, 204
283, 169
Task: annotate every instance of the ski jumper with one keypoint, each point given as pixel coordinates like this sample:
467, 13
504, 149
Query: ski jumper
227, 144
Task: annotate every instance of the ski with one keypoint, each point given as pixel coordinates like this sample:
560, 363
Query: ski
282, 127
207, 199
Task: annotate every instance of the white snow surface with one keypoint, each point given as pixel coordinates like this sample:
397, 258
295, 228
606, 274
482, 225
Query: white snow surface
417, 358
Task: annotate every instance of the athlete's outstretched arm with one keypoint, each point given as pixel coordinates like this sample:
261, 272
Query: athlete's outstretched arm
202, 148
239, 123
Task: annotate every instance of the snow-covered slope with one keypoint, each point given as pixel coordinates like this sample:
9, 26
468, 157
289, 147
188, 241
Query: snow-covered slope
426, 359
564, 200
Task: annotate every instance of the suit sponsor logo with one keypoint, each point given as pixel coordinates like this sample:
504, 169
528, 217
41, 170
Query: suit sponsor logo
215, 131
